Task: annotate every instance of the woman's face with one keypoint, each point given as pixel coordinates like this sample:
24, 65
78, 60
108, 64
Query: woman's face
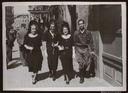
65, 30
33, 29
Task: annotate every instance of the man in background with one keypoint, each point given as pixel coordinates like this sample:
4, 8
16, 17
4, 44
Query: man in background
20, 39
11, 36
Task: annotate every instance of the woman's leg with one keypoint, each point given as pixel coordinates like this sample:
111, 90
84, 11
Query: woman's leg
67, 68
62, 59
34, 77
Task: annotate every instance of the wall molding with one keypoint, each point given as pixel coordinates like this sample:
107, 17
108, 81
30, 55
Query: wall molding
112, 61
110, 56
114, 65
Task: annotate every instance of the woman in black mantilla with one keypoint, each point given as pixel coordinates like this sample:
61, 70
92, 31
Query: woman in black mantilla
65, 47
32, 45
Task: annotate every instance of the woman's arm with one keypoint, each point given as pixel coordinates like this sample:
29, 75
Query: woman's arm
26, 41
28, 47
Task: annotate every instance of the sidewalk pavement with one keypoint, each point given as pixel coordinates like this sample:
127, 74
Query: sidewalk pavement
18, 77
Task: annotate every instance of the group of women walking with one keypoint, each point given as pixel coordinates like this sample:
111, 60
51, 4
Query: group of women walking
57, 46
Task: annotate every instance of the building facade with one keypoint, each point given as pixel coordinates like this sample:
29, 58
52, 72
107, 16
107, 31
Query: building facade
106, 20
39, 12
9, 17
21, 20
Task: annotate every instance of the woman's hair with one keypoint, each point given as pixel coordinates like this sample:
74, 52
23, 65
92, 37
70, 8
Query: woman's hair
33, 23
65, 24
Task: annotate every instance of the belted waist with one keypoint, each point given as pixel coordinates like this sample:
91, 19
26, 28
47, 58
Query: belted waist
82, 46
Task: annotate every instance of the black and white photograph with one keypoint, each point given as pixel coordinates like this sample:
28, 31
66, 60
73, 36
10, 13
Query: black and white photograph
64, 46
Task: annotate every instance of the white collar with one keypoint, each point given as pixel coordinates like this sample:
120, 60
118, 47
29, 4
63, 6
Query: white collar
82, 31
31, 35
66, 36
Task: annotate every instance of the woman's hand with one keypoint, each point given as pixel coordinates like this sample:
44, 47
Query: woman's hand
28, 47
61, 47
31, 48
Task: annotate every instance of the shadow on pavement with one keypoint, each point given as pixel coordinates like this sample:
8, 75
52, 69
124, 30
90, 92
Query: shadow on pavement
42, 76
14, 64
45, 75
59, 74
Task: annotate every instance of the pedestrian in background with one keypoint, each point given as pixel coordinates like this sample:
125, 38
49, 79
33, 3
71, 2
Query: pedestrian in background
32, 44
65, 48
42, 27
11, 36
20, 39
84, 49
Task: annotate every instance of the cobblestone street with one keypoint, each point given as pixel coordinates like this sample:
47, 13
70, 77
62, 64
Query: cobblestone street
18, 77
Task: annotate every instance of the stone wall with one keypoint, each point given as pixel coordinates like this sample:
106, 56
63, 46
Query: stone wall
82, 13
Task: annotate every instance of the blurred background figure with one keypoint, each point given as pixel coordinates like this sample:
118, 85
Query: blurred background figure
11, 36
42, 27
20, 39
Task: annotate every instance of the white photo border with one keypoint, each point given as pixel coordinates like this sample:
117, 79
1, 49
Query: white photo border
123, 9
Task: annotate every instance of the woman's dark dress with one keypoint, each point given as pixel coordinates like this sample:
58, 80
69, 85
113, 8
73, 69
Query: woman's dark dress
34, 57
66, 56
